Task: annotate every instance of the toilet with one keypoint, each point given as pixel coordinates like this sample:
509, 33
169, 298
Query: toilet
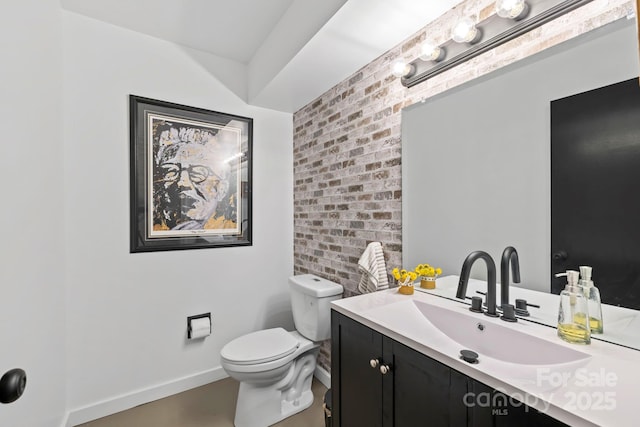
275, 367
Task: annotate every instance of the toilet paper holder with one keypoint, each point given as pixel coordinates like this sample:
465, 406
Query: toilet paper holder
193, 332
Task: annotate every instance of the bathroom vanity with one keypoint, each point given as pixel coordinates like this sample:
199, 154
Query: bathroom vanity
414, 389
396, 362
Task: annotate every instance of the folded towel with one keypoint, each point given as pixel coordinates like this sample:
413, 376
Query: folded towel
373, 268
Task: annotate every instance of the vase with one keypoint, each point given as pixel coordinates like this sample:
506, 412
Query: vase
405, 289
427, 282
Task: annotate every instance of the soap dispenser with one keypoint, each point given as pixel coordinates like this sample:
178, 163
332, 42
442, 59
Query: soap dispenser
573, 312
593, 300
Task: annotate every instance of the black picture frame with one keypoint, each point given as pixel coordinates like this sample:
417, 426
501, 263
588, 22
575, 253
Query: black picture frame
190, 177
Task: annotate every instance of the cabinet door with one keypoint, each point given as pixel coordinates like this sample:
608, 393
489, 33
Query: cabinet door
356, 386
509, 412
426, 392
479, 402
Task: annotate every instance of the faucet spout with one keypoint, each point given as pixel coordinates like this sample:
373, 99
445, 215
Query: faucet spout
491, 279
509, 256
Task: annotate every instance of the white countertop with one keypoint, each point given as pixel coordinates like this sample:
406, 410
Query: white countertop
601, 390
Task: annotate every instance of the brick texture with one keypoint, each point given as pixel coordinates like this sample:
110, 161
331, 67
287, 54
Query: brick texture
347, 144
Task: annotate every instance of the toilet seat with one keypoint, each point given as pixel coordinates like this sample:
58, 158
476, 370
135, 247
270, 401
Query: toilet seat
260, 347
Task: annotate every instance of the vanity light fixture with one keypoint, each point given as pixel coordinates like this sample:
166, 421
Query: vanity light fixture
402, 69
432, 52
465, 31
469, 39
512, 9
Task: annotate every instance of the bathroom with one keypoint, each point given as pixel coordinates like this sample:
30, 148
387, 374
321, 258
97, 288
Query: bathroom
97, 328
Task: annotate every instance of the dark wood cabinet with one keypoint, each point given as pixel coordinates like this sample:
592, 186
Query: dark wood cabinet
379, 382
360, 388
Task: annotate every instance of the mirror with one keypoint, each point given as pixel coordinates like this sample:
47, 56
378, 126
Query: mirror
475, 159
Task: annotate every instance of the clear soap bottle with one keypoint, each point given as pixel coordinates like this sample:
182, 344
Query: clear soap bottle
593, 300
573, 312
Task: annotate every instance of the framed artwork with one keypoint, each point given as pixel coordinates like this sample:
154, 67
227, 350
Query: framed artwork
190, 179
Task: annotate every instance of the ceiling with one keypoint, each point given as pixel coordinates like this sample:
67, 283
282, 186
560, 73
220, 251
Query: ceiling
277, 54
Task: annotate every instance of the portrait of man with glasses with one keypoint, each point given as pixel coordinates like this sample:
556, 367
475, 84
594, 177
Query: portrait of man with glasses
194, 178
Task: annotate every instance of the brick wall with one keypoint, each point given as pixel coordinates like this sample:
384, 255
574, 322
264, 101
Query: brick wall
347, 144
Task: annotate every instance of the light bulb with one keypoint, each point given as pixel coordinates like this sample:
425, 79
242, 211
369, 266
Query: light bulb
431, 52
401, 68
512, 9
465, 31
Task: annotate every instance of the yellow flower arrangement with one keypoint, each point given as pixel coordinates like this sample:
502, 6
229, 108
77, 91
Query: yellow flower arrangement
426, 270
428, 274
405, 280
403, 276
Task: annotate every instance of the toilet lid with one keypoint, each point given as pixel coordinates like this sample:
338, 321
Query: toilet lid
260, 347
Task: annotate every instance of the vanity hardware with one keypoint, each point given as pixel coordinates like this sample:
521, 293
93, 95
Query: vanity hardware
377, 363
484, 304
509, 257
491, 279
508, 313
524, 301
476, 305
521, 307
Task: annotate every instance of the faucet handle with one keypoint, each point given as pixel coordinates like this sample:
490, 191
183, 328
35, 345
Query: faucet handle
476, 305
484, 304
521, 307
508, 313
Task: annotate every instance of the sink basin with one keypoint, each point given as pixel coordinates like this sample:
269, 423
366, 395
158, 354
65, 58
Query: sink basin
473, 332
507, 352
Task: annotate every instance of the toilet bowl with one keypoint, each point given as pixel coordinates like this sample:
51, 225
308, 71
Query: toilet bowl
275, 385
275, 367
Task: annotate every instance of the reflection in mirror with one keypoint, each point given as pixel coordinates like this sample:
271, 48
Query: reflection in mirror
595, 153
483, 149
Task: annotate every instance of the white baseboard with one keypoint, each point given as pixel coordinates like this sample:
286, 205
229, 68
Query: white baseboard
149, 394
139, 397
323, 376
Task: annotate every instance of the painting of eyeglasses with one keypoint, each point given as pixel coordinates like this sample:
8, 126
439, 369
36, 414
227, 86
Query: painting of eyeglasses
190, 180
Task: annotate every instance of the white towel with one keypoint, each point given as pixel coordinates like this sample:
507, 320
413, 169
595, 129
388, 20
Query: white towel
373, 268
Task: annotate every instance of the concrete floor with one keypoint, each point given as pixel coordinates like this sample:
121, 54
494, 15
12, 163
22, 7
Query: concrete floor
212, 405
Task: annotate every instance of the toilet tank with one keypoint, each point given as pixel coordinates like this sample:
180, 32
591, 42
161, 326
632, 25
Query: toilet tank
310, 298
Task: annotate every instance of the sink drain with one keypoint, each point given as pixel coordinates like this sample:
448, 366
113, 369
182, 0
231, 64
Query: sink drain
469, 356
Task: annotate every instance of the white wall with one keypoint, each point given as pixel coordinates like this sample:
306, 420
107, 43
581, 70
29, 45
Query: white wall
31, 274
126, 321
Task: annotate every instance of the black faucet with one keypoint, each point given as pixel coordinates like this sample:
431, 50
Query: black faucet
491, 279
509, 256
